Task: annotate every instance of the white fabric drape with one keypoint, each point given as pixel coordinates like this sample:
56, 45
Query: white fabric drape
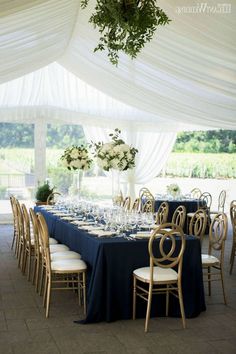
33, 33
153, 150
186, 74
55, 94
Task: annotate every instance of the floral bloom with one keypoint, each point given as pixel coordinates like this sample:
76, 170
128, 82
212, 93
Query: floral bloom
115, 155
76, 158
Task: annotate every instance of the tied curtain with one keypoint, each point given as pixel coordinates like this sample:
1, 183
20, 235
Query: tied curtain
153, 151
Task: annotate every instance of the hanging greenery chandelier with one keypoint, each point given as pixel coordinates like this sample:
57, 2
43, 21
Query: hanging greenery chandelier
125, 25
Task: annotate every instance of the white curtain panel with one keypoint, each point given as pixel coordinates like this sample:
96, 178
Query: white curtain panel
153, 150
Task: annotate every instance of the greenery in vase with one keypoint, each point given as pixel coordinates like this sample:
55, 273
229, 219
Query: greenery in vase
125, 25
76, 158
115, 155
43, 192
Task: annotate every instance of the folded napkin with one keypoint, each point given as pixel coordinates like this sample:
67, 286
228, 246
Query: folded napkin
141, 234
47, 207
69, 218
79, 222
101, 233
60, 214
148, 226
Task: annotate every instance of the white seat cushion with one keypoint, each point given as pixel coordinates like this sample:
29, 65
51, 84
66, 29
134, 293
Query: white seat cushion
52, 241
159, 274
208, 260
57, 256
58, 248
68, 265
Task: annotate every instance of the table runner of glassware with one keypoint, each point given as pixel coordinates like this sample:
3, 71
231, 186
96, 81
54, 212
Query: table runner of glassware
103, 219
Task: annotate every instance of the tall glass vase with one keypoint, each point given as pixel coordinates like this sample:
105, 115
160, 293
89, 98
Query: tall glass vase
116, 190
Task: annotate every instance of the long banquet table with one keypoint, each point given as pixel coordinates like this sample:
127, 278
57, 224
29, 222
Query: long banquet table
111, 262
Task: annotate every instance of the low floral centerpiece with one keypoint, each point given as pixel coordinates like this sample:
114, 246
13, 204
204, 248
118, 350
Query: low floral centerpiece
76, 158
173, 189
115, 155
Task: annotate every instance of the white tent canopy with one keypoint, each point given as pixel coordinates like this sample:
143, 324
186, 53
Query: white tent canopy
183, 79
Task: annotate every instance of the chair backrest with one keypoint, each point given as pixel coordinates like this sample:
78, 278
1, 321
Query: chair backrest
51, 198
195, 193
179, 216
14, 210
168, 251
44, 236
19, 219
148, 206
198, 222
162, 213
205, 201
136, 205
126, 203
233, 217
34, 222
218, 233
221, 201
26, 221
145, 192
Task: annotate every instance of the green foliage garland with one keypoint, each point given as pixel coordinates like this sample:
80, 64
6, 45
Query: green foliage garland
125, 25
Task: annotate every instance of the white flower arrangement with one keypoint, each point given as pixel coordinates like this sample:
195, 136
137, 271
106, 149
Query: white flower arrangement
115, 155
76, 158
173, 189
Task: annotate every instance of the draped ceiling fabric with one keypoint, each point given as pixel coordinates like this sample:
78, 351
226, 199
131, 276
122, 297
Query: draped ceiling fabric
185, 75
184, 79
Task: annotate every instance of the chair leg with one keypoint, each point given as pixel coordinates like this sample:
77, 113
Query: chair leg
45, 290
223, 286
48, 297
209, 280
181, 303
84, 293
14, 239
41, 280
167, 300
134, 297
148, 307
37, 275
232, 258
29, 265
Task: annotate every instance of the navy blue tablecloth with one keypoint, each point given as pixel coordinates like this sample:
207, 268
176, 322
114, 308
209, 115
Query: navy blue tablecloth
111, 262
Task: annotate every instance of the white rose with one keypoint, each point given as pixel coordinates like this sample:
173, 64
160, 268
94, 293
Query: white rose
115, 163
129, 156
84, 154
106, 147
124, 147
76, 164
64, 162
74, 154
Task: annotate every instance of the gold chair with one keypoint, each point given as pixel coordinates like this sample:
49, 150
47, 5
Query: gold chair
204, 202
162, 213
179, 216
233, 221
195, 193
221, 204
164, 273
198, 223
148, 206
215, 257
61, 273
13, 207
136, 205
29, 244
50, 198
126, 203
144, 192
